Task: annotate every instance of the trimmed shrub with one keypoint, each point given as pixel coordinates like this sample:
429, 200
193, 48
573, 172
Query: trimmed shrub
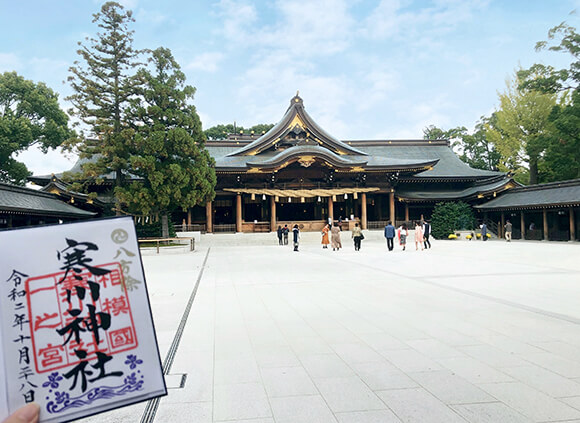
450, 217
153, 230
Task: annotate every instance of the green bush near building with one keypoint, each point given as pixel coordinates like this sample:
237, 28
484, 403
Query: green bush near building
153, 230
451, 216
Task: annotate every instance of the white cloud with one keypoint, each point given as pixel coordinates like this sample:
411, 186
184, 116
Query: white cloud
301, 29
55, 161
9, 62
393, 18
311, 28
238, 18
150, 17
208, 61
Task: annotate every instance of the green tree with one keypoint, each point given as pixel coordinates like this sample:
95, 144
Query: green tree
521, 131
167, 150
261, 128
104, 82
29, 115
448, 217
545, 78
476, 149
454, 135
220, 132
563, 153
562, 156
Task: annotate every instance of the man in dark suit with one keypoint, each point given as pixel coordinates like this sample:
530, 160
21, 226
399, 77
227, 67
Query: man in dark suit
426, 233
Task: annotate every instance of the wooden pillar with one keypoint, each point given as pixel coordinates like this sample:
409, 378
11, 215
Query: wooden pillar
572, 224
523, 224
238, 212
406, 212
363, 210
545, 222
272, 214
330, 208
392, 207
189, 219
208, 217
501, 230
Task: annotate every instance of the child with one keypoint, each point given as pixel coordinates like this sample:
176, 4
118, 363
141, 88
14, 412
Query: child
403, 237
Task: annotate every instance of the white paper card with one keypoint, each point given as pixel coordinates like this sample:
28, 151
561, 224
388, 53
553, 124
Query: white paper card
76, 326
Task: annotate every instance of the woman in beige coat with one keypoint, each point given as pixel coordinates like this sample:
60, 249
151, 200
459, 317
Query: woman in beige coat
335, 238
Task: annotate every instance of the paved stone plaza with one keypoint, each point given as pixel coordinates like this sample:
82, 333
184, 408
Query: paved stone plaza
464, 332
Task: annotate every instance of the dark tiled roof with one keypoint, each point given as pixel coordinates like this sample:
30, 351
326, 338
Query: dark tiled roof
379, 152
565, 193
449, 165
495, 185
29, 201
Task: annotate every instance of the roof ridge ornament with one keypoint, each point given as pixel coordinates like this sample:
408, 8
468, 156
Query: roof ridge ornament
296, 99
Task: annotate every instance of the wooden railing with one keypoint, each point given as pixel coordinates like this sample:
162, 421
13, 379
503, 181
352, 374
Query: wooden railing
227, 227
158, 241
376, 224
196, 227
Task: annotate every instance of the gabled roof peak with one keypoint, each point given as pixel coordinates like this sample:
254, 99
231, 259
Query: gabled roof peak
298, 126
296, 100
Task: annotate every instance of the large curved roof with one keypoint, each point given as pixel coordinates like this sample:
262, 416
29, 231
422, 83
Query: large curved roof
296, 119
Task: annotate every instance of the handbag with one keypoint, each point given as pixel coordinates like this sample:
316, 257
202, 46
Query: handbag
362, 236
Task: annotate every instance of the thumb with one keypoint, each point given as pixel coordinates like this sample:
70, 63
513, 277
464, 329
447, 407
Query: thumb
26, 414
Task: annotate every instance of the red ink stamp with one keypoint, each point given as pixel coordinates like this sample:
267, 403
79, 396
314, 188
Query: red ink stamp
81, 322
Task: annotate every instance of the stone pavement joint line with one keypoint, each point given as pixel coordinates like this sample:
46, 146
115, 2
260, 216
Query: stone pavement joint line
153, 405
508, 303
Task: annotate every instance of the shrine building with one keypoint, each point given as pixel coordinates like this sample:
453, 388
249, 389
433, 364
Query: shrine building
298, 173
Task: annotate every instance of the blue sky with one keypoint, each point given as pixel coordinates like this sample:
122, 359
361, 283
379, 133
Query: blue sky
381, 69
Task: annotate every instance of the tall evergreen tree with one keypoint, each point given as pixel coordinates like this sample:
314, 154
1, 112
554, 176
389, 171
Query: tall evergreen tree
103, 82
29, 115
167, 150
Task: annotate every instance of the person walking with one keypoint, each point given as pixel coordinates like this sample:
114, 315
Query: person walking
484, 231
296, 232
404, 232
325, 239
279, 231
390, 235
418, 236
285, 231
426, 234
508, 231
357, 236
335, 237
